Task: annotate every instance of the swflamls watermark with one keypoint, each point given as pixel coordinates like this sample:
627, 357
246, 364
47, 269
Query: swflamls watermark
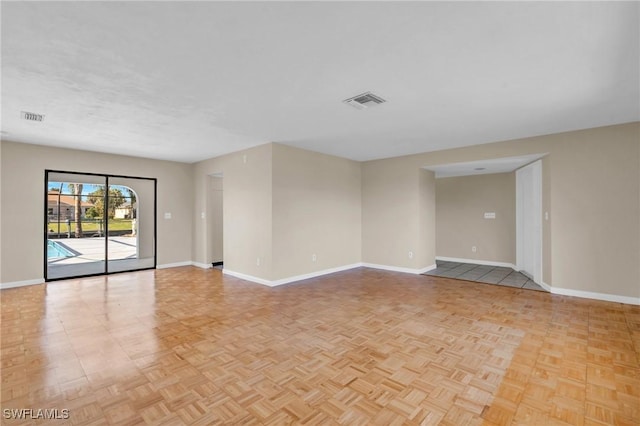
35, 413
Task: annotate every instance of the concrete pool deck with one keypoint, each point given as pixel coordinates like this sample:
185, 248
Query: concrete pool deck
92, 249
89, 257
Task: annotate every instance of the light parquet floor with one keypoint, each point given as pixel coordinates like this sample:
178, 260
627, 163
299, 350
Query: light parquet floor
191, 346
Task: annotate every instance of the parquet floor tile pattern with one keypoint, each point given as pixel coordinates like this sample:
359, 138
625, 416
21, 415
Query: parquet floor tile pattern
187, 346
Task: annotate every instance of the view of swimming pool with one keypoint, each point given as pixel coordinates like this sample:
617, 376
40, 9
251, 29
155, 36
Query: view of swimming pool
57, 251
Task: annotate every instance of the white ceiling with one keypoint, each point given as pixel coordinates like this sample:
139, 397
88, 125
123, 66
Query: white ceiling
483, 167
188, 81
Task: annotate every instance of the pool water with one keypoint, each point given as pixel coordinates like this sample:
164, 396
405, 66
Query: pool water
56, 251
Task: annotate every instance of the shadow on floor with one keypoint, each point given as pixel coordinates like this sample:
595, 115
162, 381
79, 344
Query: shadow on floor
498, 275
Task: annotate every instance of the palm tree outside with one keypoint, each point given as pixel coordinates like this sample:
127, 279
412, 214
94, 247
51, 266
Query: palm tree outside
76, 189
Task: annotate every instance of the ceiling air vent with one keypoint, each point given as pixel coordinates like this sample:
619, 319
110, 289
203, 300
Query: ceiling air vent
30, 116
364, 100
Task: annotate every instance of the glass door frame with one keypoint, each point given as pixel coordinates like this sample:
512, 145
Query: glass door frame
106, 223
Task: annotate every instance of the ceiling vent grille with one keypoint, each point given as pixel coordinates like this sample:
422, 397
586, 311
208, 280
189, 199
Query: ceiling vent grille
31, 116
364, 100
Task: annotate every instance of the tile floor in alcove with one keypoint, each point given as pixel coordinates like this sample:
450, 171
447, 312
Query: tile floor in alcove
497, 275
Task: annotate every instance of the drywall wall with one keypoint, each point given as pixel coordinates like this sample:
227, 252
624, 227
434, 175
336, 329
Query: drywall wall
247, 212
595, 210
316, 212
387, 192
1, 204
426, 219
391, 212
461, 203
590, 189
280, 205
23, 167
215, 221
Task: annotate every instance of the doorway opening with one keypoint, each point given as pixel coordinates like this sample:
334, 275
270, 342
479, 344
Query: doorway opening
479, 210
215, 221
98, 224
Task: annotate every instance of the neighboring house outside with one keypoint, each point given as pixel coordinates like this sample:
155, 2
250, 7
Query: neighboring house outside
62, 207
123, 212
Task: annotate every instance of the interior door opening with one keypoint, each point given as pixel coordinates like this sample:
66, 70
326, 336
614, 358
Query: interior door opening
215, 234
479, 236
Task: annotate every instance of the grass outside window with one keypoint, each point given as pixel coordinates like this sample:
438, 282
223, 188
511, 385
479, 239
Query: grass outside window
90, 225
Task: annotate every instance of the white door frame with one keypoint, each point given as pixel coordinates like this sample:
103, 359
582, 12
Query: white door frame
536, 199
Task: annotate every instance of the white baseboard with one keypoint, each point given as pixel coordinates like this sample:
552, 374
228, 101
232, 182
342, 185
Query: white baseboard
590, 295
399, 268
553, 290
174, 265
15, 284
185, 263
428, 268
289, 280
247, 277
316, 274
598, 296
477, 262
545, 286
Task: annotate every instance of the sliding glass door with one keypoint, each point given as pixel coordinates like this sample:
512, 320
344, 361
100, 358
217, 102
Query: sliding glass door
131, 232
98, 224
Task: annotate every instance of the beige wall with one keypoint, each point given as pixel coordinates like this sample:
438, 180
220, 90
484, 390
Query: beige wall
215, 220
1, 204
460, 224
22, 182
391, 211
247, 212
590, 189
595, 210
283, 205
427, 218
316, 210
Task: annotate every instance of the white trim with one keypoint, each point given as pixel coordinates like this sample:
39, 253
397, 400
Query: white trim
315, 274
295, 278
186, 263
553, 290
247, 277
399, 268
519, 225
599, 296
428, 268
536, 199
21, 283
545, 286
477, 262
290, 279
174, 265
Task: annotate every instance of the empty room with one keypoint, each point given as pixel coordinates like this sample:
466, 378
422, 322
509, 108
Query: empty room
229, 213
